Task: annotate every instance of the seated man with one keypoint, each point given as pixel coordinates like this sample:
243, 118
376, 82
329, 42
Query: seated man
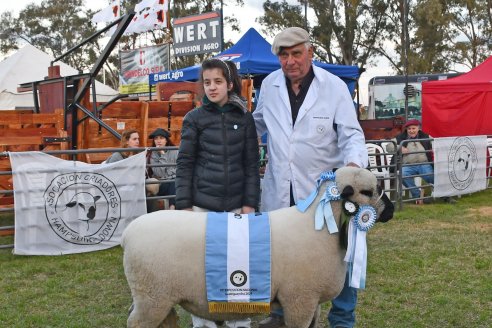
418, 151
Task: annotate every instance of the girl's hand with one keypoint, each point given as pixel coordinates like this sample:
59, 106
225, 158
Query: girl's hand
247, 210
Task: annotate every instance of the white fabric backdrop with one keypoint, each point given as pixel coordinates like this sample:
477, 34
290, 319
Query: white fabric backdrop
65, 207
460, 165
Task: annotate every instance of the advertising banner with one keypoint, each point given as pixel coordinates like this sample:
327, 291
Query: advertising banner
137, 64
197, 34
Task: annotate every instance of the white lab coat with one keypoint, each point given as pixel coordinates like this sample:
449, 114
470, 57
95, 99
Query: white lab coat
301, 152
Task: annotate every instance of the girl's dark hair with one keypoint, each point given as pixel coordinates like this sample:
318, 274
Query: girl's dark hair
169, 143
229, 70
149, 173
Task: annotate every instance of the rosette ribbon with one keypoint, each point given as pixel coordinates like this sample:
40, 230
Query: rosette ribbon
323, 211
356, 255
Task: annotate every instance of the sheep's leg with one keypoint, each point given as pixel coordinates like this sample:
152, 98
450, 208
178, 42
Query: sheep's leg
171, 320
301, 313
314, 323
146, 313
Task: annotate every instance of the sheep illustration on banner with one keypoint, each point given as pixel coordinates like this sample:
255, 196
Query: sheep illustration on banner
65, 207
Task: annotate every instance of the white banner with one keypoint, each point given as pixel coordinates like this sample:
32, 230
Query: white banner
65, 207
460, 165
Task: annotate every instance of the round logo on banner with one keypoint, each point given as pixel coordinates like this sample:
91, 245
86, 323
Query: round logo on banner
82, 208
462, 163
238, 278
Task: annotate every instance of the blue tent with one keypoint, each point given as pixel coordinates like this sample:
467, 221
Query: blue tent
253, 56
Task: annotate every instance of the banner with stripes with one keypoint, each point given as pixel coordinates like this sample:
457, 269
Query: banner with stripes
237, 262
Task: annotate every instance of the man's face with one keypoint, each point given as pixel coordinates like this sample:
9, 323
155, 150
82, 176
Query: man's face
412, 130
296, 61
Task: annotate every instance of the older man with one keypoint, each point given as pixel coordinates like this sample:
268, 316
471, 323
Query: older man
312, 127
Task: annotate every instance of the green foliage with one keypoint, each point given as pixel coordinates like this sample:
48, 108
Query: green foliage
428, 267
442, 33
345, 32
54, 27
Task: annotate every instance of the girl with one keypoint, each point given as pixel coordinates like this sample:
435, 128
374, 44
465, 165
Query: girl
161, 138
129, 139
217, 166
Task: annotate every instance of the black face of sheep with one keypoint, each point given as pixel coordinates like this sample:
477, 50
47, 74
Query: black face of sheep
88, 207
384, 216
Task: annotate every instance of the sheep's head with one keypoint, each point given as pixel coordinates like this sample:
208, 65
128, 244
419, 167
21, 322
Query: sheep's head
361, 187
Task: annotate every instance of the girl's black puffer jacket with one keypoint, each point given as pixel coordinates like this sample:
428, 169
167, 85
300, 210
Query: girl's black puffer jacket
218, 158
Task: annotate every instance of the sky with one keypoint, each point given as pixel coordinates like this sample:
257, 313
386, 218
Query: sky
248, 13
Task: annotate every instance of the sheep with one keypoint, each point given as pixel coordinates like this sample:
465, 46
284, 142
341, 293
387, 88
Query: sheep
164, 258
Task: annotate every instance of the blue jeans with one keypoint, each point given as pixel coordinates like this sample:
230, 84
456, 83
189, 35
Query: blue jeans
423, 170
342, 312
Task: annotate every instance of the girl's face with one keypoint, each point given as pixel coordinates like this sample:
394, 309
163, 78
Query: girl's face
133, 141
216, 86
160, 141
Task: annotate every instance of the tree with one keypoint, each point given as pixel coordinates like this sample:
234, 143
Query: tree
345, 32
54, 27
471, 22
442, 34
430, 40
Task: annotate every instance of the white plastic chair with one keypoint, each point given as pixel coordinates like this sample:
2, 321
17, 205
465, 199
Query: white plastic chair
378, 164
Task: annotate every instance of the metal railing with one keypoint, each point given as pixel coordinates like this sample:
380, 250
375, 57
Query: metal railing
386, 162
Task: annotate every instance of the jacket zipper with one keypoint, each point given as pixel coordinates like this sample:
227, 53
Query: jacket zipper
226, 171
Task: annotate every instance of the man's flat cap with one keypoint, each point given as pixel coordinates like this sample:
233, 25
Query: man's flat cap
288, 38
411, 122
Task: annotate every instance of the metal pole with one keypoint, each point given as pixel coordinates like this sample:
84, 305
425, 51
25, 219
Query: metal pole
221, 25
305, 15
405, 53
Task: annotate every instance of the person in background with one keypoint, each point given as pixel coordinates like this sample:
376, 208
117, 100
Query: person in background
218, 158
312, 127
414, 152
161, 138
129, 139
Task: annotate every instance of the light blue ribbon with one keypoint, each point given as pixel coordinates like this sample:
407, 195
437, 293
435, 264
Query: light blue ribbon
356, 255
324, 212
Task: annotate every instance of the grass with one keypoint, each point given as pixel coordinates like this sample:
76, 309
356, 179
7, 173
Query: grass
428, 267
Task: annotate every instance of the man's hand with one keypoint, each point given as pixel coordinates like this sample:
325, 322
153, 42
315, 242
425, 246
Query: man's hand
247, 210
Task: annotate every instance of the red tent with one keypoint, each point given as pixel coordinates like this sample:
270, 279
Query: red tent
460, 106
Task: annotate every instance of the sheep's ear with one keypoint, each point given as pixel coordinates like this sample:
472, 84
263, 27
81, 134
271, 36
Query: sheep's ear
71, 204
96, 198
347, 192
344, 235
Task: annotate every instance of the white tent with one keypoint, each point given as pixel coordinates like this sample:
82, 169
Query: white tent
30, 64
